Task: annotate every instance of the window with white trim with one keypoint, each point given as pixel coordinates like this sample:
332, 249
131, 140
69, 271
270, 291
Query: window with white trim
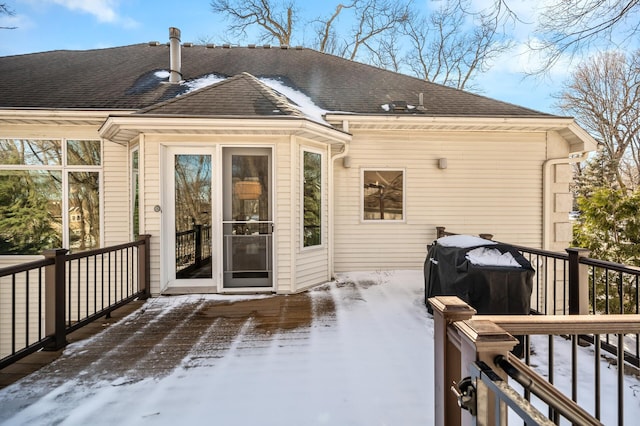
135, 193
49, 194
312, 198
383, 194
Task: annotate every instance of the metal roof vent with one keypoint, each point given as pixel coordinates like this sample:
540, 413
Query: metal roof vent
175, 56
399, 106
420, 106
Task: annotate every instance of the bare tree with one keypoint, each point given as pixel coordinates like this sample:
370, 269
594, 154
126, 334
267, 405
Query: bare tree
274, 20
450, 46
569, 28
6, 10
446, 48
603, 94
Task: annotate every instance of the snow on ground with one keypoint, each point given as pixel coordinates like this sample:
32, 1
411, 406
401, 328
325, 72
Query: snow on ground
370, 363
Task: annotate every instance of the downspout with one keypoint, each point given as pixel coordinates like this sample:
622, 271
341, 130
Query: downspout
342, 154
547, 194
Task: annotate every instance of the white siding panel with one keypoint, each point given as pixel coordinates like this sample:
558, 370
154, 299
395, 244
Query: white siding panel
492, 184
116, 194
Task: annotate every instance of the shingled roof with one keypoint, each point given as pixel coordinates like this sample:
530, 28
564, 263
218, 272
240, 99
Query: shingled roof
134, 78
240, 95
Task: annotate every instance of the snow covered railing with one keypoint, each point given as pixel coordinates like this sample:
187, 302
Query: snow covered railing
44, 300
467, 345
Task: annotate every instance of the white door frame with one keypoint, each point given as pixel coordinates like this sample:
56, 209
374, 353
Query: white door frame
169, 283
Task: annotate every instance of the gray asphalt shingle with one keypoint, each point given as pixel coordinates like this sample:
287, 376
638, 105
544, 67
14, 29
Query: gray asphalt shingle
125, 78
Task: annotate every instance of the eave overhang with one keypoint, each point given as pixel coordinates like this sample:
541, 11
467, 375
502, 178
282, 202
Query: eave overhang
59, 117
124, 128
579, 140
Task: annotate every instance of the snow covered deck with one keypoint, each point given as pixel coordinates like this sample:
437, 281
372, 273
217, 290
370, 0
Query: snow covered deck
356, 351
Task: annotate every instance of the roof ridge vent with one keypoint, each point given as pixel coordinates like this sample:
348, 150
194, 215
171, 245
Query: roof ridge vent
266, 46
226, 46
154, 43
210, 45
251, 46
284, 46
187, 44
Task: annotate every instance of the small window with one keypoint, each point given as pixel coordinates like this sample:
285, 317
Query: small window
312, 199
83, 153
383, 195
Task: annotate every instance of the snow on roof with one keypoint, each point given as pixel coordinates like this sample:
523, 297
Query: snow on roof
463, 241
299, 99
203, 81
304, 102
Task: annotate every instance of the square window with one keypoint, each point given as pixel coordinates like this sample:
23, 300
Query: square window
383, 195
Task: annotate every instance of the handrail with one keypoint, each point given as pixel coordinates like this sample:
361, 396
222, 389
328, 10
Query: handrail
23, 267
54, 296
566, 324
534, 383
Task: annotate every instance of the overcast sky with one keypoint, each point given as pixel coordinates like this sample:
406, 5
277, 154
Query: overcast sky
44, 25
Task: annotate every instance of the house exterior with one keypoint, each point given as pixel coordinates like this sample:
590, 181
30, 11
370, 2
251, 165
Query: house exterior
269, 169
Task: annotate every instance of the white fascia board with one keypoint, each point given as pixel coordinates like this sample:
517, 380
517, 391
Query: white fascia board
579, 140
118, 127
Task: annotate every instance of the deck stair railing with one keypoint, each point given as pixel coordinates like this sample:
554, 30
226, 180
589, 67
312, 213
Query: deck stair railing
44, 300
473, 364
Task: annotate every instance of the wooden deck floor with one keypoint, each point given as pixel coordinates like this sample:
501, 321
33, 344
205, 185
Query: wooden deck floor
137, 342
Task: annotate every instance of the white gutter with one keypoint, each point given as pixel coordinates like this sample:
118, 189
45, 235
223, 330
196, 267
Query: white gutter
342, 154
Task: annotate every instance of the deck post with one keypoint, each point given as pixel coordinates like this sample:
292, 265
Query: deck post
483, 340
446, 310
578, 282
55, 295
144, 268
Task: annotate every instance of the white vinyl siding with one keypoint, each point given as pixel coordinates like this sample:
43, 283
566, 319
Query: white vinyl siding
492, 184
116, 222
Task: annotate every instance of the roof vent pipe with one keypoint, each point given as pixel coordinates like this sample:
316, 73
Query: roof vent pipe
175, 60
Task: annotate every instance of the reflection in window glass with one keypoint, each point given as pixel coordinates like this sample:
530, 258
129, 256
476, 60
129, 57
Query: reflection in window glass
86, 153
84, 210
135, 195
28, 152
30, 211
312, 228
383, 194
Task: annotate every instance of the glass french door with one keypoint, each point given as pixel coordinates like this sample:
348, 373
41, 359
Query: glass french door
189, 186
247, 218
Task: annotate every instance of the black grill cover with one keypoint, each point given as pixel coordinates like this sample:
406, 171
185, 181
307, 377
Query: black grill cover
491, 290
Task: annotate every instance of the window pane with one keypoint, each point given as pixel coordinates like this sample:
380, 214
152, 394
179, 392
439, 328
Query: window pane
383, 198
312, 199
83, 153
30, 211
84, 210
135, 195
28, 152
